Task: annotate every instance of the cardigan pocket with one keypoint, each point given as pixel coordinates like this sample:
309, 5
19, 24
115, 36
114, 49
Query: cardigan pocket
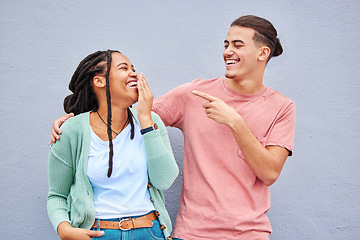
75, 216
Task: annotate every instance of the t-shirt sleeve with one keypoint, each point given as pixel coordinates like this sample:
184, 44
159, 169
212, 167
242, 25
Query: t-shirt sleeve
171, 106
283, 131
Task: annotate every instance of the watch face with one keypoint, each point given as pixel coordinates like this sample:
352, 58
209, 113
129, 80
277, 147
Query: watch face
155, 126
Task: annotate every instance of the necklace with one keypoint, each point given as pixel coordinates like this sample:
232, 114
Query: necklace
111, 128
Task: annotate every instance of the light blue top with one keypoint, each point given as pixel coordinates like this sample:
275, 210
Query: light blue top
131, 197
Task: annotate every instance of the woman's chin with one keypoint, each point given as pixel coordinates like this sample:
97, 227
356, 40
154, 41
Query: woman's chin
135, 99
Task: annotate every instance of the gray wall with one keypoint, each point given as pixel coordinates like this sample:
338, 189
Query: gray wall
173, 42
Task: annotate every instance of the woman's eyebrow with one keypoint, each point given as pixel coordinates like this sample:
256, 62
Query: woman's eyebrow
121, 64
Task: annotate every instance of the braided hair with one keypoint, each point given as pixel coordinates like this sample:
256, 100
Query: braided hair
83, 98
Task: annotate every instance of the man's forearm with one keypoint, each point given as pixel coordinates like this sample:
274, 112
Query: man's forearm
265, 162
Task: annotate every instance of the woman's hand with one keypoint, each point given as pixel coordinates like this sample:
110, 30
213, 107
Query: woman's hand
67, 232
145, 102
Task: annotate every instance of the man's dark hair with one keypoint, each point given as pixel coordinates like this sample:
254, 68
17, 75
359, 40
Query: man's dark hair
265, 33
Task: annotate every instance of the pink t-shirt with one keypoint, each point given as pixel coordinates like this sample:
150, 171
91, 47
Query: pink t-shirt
221, 197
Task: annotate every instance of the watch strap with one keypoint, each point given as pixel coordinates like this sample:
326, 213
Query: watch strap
149, 129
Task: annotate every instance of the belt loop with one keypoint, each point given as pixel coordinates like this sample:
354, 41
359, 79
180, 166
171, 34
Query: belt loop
98, 224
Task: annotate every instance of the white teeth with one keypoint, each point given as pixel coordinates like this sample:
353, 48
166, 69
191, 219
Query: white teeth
231, 61
132, 84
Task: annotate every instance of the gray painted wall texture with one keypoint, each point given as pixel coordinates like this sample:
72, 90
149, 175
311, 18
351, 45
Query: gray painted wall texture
317, 195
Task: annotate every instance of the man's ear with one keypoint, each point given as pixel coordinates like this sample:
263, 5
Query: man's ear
99, 81
264, 53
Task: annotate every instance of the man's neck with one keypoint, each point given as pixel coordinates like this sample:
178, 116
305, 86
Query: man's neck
245, 86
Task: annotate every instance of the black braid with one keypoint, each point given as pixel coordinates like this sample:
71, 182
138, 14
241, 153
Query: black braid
83, 98
130, 118
109, 129
108, 101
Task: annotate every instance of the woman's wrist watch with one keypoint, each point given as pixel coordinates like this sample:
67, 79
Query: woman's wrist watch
149, 129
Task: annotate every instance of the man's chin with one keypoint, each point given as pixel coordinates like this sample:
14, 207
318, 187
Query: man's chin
229, 75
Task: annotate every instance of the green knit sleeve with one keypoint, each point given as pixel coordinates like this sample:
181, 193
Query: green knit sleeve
60, 178
162, 167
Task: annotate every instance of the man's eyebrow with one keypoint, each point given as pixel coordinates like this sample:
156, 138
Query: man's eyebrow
234, 41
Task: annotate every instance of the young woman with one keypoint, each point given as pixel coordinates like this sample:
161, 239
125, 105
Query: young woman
107, 173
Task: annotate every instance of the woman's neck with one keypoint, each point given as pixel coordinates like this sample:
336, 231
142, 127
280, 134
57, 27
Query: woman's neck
99, 119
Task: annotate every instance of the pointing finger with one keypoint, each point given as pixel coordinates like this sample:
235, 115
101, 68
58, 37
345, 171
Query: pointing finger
204, 96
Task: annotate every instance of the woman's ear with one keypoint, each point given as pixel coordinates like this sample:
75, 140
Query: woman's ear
264, 53
99, 81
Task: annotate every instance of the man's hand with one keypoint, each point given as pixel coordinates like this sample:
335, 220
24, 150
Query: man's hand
218, 110
266, 163
56, 127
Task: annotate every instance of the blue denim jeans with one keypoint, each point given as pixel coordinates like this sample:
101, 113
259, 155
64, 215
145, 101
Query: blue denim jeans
152, 233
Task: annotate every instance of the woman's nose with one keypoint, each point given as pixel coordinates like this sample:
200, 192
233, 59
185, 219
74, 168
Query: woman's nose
133, 74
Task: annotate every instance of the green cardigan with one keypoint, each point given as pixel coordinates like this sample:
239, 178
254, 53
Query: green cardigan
70, 195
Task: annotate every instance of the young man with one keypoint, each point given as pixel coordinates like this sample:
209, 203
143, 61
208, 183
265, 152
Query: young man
238, 134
